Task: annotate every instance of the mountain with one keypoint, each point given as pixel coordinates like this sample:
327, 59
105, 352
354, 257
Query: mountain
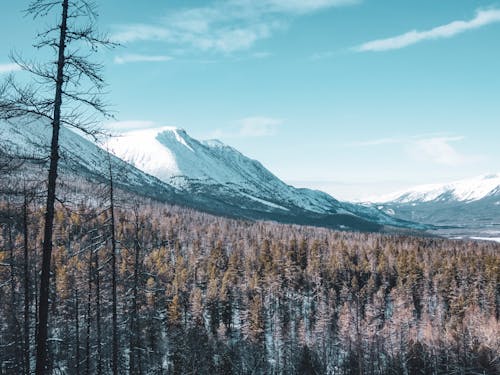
468, 190
465, 208
168, 165
80, 159
212, 172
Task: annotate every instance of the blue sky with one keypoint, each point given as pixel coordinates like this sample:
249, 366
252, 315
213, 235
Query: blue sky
355, 97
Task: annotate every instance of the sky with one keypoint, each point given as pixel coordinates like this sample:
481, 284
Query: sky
353, 97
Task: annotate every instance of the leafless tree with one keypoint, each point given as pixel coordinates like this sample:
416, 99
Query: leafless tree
66, 91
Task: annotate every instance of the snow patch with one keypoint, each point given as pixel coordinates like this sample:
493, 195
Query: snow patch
493, 239
267, 203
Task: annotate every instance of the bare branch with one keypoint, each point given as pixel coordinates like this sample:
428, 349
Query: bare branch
38, 70
40, 8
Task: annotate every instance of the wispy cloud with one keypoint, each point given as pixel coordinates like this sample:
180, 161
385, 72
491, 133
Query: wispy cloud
130, 125
258, 126
432, 148
7, 68
137, 32
224, 26
298, 6
224, 39
439, 150
132, 58
482, 18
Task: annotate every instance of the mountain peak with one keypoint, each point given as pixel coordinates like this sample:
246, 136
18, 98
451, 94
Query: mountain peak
167, 135
171, 129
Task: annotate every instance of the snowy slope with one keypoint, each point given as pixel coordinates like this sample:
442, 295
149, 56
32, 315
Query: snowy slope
468, 190
78, 156
217, 172
171, 155
168, 165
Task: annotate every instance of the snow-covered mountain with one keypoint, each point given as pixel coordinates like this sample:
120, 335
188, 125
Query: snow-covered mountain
171, 155
468, 190
213, 171
469, 207
79, 158
168, 165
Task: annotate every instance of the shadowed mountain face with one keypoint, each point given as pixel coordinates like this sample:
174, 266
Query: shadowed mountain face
168, 165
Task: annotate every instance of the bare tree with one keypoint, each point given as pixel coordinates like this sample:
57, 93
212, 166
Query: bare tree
113, 264
64, 92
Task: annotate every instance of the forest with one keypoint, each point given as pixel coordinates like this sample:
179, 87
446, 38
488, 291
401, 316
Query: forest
198, 294
98, 280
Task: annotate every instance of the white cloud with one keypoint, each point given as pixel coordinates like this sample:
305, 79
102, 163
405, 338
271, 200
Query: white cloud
127, 126
431, 148
302, 6
136, 32
439, 151
229, 39
140, 58
250, 127
7, 68
482, 18
224, 26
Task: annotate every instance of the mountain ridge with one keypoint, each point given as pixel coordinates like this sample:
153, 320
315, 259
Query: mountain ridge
208, 176
470, 189
215, 164
467, 208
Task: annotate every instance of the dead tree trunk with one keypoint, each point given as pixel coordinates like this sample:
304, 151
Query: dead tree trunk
113, 269
41, 342
77, 331
98, 312
26, 341
89, 316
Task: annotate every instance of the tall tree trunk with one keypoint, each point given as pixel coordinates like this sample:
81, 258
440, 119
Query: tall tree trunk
135, 352
77, 331
14, 323
113, 269
89, 316
43, 312
98, 313
26, 343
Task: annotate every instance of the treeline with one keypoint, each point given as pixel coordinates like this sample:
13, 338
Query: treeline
198, 294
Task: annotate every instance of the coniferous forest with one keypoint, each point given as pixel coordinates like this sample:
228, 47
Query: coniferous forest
198, 294
99, 279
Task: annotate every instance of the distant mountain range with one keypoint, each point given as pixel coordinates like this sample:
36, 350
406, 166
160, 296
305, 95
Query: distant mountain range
466, 208
168, 165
